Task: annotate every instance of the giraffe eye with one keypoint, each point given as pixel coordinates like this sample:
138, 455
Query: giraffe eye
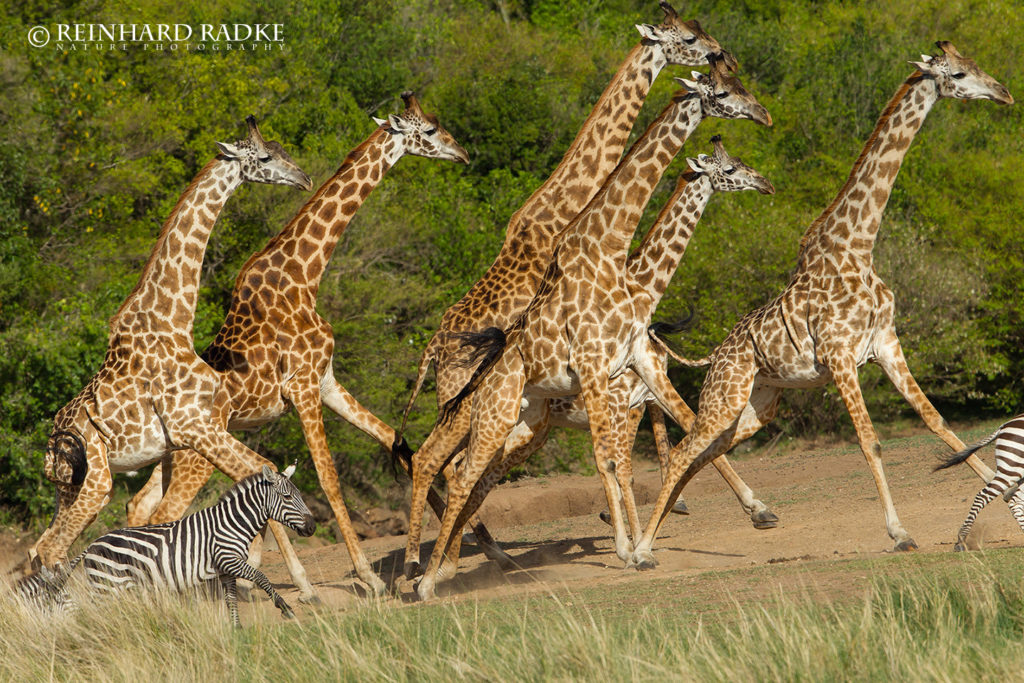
264, 159
730, 170
959, 74
721, 95
430, 131
690, 40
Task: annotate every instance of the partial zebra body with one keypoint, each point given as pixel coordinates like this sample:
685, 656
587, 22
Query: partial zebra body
199, 548
1009, 439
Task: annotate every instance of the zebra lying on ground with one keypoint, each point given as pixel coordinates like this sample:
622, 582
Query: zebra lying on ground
1009, 440
193, 551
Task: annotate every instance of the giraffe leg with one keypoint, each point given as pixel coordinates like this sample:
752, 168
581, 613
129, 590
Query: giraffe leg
140, 508
442, 441
77, 507
650, 367
495, 411
664, 447
189, 472
889, 356
623, 455
844, 374
526, 437
605, 415
308, 405
723, 397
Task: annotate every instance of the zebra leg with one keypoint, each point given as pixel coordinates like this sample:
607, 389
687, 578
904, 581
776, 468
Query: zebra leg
231, 597
980, 501
238, 568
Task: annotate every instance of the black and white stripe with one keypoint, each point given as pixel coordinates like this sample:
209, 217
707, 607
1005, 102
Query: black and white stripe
45, 590
210, 544
1009, 440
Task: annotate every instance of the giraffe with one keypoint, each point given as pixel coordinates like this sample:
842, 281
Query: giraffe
154, 394
583, 326
836, 313
648, 272
649, 269
508, 286
274, 351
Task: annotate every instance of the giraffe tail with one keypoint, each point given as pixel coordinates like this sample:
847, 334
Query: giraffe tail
485, 348
959, 457
429, 354
658, 331
65, 461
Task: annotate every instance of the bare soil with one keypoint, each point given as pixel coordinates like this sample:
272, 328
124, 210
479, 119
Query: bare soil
825, 498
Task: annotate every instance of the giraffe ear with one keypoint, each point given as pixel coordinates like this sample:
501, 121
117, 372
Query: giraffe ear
379, 122
923, 67
649, 32
694, 165
398, 124
229, 150
689, 85
289, 471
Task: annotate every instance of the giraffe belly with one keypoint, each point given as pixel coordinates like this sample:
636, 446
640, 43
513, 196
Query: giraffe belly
145, 448
563, 384
802, 378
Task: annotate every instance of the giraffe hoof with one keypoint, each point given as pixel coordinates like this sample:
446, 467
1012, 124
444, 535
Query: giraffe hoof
642, 560
606, 517
765, 519
426, 591
412, 570
959, 547
310, 599
906, 546
680, 508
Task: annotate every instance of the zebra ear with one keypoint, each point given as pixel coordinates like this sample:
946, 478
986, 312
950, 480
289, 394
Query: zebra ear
268, 473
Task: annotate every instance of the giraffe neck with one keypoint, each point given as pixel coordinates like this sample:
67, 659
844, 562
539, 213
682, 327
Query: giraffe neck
607, 224
850, 223
651, 266
593, 154
168, 288
299, 254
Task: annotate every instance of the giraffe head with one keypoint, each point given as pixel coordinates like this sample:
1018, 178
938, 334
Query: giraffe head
958, 76
683, 42
420, 133
264, 161
727, 173
722, 95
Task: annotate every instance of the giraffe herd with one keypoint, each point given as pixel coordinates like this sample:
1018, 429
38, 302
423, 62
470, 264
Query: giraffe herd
557, 332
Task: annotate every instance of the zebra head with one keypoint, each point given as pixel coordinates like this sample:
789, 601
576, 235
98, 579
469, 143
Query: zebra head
46, 590
285, 504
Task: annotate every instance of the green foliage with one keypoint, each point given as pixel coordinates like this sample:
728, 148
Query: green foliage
95, 148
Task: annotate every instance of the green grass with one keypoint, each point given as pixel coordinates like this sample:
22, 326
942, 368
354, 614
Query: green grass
923, 617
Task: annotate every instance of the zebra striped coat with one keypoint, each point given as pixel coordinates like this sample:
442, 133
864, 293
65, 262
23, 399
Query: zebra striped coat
210, 544
1009, 475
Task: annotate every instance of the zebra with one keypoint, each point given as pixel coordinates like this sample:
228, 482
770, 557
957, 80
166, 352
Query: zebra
45, 590
207, 545
1009, 440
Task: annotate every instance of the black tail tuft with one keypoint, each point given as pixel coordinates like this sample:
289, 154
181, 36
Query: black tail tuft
400, 451
69, 447
485, 348
662, 330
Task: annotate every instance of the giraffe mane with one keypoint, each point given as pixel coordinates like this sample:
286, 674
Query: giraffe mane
164, 230
850, 179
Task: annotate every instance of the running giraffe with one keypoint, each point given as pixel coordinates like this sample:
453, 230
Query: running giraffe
154, 394
836, 313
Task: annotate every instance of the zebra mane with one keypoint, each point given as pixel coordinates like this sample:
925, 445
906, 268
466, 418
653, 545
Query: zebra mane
241, 485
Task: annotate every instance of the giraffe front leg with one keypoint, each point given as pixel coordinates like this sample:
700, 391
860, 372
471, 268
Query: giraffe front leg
723, 397
77, 508
664, 447
189, 473
844, 374
311, 416
140, 508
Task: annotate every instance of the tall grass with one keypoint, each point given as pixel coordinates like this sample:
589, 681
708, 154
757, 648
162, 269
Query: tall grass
961, 622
